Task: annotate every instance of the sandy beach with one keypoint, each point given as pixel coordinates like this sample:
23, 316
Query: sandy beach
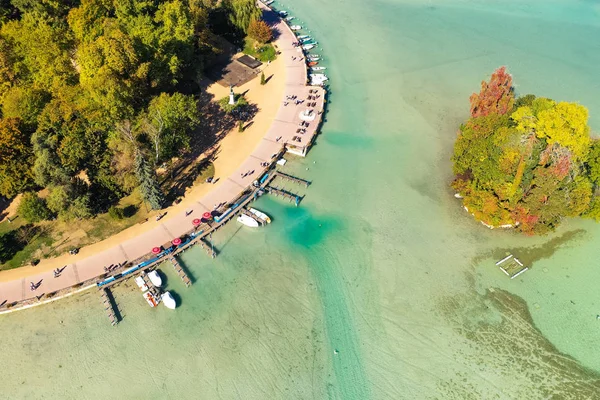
234, 148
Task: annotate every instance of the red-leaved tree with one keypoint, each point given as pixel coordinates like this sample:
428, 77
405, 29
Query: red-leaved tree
496, 97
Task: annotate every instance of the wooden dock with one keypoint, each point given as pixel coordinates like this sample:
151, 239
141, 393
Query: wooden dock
292, 197
293, 179
110, 305
184, 277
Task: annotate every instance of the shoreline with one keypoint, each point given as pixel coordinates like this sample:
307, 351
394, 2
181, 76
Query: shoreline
283, 125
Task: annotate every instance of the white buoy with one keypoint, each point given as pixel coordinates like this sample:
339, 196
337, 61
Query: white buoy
335, 351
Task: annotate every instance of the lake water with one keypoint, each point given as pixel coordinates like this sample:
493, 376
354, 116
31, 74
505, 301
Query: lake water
379, 286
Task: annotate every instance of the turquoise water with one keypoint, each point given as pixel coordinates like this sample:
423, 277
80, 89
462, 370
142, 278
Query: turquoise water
379, 263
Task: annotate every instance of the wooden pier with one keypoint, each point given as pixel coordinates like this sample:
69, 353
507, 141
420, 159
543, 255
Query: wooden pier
292, 197
184, 277
110, 305
293, 179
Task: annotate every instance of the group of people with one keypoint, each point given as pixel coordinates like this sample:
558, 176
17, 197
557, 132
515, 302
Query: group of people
245, 174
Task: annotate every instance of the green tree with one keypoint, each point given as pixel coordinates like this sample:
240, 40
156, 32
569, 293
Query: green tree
16, 158
242, 13
170, 122
149, 187
58, 199
33, 208
25, 103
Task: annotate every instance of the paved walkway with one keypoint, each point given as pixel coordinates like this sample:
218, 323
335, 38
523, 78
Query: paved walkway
283, 131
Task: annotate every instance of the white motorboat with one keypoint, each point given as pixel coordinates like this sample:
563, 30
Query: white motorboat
168, 300
139, 280
269, 2
288, 19
248, 221
295, 27
313, 58
155, 278
308, 46
302, 37
283, 13
260, 215
151, 299
318, 68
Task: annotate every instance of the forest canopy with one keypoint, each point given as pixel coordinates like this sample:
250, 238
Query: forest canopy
95, 94
526, 162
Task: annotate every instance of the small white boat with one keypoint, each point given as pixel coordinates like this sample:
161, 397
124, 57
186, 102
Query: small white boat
141, 283
151, 299
260, 215
248, 221
282, 13
308, 46
288, 19
155, 278
302, 37
295, 27
168, 300
269, 2
318, 68
318, 77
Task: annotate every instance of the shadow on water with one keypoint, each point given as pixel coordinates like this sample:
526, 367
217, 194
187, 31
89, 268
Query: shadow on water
186, 269
531, 254
311, 234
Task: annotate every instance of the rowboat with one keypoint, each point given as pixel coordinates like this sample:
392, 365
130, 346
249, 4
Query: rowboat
318, 68
312, 63
295, 27
151, 299
141, 283
260, 215
248, 221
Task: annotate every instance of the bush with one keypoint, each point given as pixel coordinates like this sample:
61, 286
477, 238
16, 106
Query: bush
240, 126
8, 246
240, 102
33, 208
116, 213
263, 80
260, 31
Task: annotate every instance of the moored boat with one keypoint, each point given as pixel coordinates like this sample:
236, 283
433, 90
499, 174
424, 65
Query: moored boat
288, 19
318, 68
295, 27
139, 280
282, 13
268, 3
155, 278
151, 299
168, 300
301, 37
248, 221
308, 46
312, 63
260, 215
318, 77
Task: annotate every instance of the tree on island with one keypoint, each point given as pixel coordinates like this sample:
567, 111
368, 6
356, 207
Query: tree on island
526, 162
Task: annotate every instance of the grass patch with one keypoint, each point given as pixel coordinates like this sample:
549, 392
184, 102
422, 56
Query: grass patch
264, 53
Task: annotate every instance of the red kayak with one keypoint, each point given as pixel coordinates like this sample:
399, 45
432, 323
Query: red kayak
312, 63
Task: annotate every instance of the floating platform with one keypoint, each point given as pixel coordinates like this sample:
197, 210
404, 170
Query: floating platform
511, 266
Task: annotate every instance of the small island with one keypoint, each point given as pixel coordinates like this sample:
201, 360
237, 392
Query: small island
525, 162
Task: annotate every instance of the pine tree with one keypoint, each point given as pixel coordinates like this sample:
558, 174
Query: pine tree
149, 187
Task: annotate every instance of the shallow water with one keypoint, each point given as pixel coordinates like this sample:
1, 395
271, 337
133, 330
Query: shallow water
379, 263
